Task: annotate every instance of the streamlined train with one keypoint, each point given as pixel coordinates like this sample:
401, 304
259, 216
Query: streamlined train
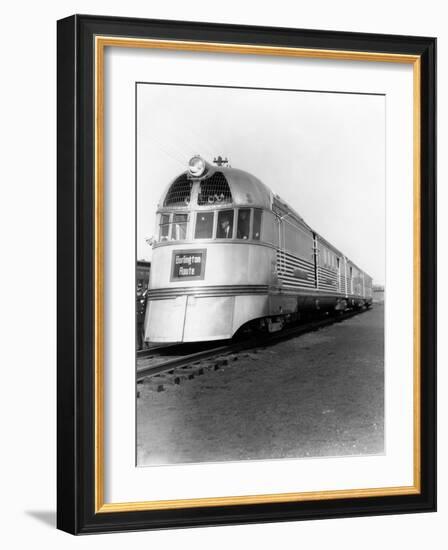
229, 253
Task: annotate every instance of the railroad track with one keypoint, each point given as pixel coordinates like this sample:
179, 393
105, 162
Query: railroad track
170, 349
171, 370
151, 350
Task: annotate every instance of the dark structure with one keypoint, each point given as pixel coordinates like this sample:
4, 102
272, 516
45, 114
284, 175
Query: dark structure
142, 283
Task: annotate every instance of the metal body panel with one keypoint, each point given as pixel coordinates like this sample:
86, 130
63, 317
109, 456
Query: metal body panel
164, 320
249, 307
208, 318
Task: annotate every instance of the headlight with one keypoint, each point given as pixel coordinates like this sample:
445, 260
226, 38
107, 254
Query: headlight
196, 166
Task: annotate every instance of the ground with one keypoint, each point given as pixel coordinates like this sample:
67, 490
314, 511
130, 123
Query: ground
319, 394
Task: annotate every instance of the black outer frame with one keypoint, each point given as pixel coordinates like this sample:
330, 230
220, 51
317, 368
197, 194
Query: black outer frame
75, 309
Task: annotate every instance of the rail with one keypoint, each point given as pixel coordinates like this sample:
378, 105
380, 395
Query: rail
265, 340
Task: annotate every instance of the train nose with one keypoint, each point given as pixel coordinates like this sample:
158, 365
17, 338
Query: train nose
189, 319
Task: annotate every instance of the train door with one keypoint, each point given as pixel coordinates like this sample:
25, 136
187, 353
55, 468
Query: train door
281, 255
345, 286
316, 260
338, 266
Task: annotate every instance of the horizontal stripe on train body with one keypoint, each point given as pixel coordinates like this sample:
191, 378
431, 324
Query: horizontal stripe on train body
327, 270
326, 279
289, 275
327, 282
304, 265
332, 276
327, 276
292, 285
295, 261
311, 293
199, 291
289, 265
329, 289
293, 269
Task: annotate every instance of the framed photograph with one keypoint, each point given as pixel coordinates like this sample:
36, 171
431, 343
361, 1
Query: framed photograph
246, 269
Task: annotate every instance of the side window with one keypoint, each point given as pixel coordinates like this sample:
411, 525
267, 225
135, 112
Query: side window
164, 227
243, 227
179, 230
204, 225
257, 225
224, 229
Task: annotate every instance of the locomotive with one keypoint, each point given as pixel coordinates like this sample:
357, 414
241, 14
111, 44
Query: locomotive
229, 253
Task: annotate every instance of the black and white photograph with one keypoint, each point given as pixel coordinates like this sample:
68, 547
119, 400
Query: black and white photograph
260, 273
220, 238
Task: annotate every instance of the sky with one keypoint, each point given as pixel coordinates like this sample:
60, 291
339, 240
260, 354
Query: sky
323, 153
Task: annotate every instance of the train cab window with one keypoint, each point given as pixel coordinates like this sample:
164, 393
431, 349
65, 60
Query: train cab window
179, 230
224, 229
257, 225
204, 225
243, 227
164, 227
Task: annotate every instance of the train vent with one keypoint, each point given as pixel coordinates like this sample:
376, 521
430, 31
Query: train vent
214, 190
179, 193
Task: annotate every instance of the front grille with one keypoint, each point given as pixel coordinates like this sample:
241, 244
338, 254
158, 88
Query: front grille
214, 190
179, 193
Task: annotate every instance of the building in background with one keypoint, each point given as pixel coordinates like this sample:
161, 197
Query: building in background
378, 294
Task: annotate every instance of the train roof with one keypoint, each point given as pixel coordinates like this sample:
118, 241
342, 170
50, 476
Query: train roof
247, 189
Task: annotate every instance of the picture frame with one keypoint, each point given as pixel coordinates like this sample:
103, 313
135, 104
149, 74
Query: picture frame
82, 42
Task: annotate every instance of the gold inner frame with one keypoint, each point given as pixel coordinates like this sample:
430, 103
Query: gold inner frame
101, 42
